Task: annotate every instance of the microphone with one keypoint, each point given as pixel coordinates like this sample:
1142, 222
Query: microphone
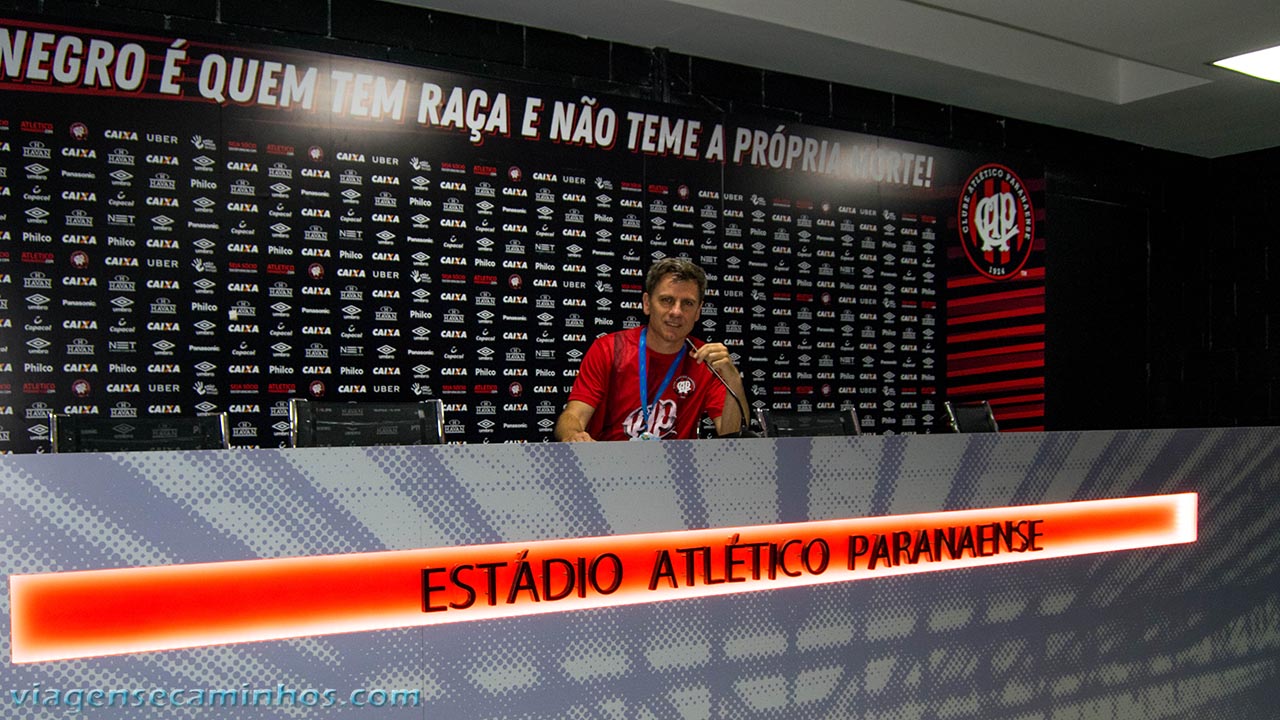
745, 431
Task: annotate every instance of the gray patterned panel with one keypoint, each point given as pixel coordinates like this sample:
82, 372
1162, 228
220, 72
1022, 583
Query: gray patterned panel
1177, 632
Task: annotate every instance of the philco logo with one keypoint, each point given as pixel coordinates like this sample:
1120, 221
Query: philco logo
996, 222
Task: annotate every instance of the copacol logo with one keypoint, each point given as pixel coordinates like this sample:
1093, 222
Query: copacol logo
996, 222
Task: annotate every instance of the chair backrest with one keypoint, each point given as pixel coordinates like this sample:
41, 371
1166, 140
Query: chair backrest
339, 424
91, 433
787, 423
971, 417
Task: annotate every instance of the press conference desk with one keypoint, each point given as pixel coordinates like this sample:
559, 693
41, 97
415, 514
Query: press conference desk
1094, 635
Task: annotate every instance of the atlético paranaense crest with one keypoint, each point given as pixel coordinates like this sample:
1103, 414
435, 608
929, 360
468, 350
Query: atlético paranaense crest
996, 221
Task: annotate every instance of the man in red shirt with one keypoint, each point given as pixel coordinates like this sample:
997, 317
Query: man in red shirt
654, 382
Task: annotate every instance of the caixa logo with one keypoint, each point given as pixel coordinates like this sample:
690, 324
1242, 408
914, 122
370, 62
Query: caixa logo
164, 409
996, 222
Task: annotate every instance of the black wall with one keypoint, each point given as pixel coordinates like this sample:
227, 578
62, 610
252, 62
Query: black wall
1160, 305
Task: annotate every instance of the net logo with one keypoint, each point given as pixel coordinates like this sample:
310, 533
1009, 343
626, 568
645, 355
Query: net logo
996, 222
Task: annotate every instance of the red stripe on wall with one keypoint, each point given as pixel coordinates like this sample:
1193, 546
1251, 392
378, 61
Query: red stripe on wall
996, 297
1014, 399
1009, 332
1001, 350
997, 367
1021, 412
1032, 307
1031, 274
991, 387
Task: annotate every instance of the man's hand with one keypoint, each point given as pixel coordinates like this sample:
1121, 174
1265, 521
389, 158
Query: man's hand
572, 424
718, 357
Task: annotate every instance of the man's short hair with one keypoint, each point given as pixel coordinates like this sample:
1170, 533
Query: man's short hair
681, 269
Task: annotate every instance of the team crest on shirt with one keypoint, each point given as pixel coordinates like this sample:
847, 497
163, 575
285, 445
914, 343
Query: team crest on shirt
662, 419
684, 386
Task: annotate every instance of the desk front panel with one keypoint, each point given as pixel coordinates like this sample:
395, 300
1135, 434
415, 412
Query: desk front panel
1180, 631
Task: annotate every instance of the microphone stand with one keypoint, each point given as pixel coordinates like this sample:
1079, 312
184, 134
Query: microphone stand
745, 430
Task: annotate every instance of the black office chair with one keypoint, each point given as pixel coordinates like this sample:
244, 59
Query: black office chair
972, 417
786, 423
336, 424
91, 433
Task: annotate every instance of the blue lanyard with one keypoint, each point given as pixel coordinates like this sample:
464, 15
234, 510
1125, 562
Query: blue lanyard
644, 380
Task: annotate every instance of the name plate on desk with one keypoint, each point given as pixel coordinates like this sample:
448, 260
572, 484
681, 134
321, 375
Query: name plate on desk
58, 616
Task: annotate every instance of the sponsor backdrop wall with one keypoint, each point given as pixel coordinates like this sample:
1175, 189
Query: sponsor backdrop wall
193, 227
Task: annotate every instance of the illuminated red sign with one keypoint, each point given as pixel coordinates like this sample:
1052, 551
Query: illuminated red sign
57, 616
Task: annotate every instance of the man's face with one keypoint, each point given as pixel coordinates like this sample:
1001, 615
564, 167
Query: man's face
673, 308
